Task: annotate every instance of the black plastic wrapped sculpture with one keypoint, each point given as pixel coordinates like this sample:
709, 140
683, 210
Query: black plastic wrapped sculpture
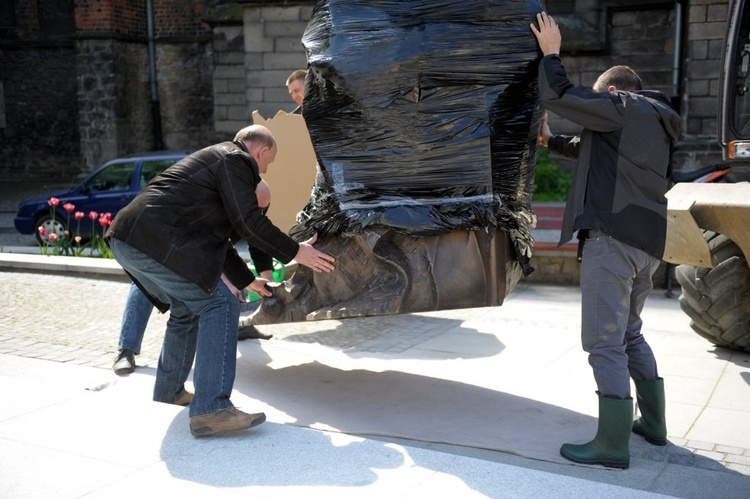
423, 116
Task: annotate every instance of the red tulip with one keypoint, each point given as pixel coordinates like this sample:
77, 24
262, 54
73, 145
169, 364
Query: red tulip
93, 215
69, 207
53, 202
41, 230
79, 215
53, 237
78, 239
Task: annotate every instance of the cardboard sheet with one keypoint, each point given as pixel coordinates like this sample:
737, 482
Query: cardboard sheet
292, 174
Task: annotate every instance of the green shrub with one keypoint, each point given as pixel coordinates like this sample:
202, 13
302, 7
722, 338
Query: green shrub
551, 182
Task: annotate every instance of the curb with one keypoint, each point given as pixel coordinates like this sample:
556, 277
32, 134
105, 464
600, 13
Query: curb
553, 265
95, 267
72, 265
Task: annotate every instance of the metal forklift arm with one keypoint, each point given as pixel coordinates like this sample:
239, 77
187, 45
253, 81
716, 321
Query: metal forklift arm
695, 207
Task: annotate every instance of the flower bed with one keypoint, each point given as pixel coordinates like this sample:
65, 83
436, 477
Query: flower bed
72, 244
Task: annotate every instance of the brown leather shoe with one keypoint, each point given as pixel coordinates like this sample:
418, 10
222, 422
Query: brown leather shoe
229, 419
184, 399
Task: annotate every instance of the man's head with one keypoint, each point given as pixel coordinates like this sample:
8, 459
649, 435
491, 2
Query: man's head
618, 78
260, 145
296, 85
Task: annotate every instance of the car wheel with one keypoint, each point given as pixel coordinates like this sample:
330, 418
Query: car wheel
56, 226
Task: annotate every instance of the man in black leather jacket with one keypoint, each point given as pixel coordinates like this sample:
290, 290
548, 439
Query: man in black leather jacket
173, 240
618, 206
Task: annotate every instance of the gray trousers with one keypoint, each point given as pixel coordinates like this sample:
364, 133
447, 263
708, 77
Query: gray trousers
615, 282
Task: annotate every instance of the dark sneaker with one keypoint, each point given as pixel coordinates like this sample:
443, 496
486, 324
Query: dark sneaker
124, 363
249, 332
229, 419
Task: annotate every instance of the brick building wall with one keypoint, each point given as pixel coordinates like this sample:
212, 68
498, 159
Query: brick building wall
597, 34
117, 105
642, 34
112, 78
279, 29
253, 77
218, 60
115, 16
38, 117
705, 25
229, 87
75, 83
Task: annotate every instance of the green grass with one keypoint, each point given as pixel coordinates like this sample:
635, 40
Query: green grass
551, 182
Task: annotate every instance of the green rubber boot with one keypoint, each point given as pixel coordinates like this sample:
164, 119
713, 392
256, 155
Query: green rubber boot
610, 446
652, 424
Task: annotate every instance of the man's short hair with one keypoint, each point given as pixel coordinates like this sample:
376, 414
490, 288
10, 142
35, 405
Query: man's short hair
299, 74
256, 134
622, 77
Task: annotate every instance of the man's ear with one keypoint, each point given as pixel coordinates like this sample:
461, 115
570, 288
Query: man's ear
611, 88
257, 151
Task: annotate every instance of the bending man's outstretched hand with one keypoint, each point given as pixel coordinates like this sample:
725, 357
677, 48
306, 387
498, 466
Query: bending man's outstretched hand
548, 35
310, 257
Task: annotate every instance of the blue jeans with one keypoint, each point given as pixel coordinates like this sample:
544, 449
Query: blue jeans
135, 318
615, 282
202, 327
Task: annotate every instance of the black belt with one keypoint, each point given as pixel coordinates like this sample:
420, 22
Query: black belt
583, 234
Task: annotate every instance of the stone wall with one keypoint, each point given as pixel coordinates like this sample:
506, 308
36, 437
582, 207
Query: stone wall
229, 87
38, 132
641, 39
186, 94
108, 85
273, 49
38, 114
76, 87
706, 22
74, 97
253, 60
115, 104
596, 35
119, 114
641, 34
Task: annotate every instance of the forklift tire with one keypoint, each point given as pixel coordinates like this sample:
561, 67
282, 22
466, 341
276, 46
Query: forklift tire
717, 300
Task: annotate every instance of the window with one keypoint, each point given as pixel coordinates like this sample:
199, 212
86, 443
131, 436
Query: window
114, 178
741, 115
153, 168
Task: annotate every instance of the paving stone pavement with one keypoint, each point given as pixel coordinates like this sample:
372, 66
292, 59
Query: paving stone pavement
69, 319
76, 319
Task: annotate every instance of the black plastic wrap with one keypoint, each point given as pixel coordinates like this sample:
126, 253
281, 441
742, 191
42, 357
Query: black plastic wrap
423, 116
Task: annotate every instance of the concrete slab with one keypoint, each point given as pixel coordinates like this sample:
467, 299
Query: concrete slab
108, 440
68, 429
